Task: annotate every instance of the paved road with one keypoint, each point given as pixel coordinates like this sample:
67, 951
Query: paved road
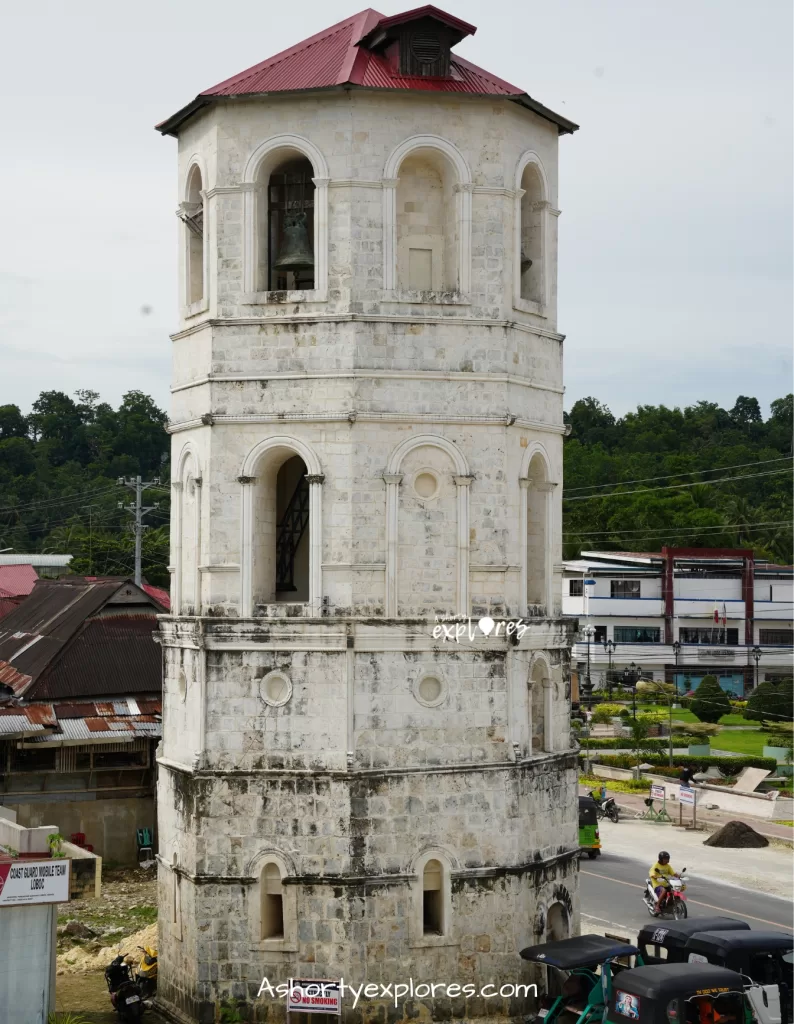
611, 894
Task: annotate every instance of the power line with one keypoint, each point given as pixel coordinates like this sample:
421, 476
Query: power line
693, 472
72, 499
688, 529
671, 487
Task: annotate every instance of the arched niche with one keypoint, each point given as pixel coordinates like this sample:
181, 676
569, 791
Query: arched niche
427, 220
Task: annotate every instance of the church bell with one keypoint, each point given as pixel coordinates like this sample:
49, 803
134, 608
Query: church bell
295, 252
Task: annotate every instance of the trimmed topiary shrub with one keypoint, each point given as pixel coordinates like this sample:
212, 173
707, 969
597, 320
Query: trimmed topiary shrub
710, 702
765, 704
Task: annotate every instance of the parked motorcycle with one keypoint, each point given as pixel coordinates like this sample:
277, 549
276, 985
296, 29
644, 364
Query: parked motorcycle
672, 902
126, 996
146, 974
606, 808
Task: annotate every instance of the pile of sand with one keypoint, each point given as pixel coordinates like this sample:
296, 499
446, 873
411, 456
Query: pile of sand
83, 961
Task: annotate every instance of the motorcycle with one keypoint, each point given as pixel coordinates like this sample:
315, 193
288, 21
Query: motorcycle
606, 808
672, 902
126, 996
146, 975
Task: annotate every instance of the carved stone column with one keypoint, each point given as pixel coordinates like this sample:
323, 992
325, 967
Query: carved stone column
315, 482
548, 711
392, 481
523, 526
246, 545
462, 483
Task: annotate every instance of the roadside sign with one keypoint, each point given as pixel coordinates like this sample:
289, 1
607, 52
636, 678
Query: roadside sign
314, 995
24, 883
686, 795
657, 791
589, 583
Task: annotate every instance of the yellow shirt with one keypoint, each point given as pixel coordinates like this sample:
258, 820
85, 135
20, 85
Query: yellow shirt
659, 872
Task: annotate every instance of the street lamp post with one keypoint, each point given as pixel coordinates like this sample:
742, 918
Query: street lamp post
609, 647
676, 652
756, 653
631, 676
587, 686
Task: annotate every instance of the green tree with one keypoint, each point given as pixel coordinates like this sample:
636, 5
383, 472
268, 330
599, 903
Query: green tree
710, 701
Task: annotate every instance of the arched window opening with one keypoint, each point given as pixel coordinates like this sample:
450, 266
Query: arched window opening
427, 233
531, 251
537, 535
271, 908
193, 217
556, 923
433, 898
285, 208
281, 530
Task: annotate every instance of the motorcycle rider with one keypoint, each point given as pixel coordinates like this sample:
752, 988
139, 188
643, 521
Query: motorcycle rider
659, 874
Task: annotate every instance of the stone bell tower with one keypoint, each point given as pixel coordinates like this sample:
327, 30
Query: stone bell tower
365, 772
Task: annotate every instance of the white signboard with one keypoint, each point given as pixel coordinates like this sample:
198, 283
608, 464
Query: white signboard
686, 795
314, 996
657, 792
27, 882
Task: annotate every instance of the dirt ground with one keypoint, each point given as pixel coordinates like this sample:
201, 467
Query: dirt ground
124, 916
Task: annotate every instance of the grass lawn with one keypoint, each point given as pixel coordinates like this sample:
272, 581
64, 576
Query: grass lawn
751, 741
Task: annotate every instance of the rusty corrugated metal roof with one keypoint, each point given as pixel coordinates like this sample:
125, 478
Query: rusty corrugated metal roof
112, 656
341, 56
56, 644
29, 720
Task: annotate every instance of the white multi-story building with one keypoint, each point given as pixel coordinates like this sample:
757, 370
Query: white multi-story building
680, 615
367, 434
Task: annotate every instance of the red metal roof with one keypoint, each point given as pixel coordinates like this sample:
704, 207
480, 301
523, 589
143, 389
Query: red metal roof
17, 580
158, 594
339, 56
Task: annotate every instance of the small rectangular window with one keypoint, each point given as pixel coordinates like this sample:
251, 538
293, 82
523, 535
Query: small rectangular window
575, 588
637, 635
625, 588
711, 635
600, 634
779, 637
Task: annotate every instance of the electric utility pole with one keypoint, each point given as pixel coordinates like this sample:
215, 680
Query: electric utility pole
137, 509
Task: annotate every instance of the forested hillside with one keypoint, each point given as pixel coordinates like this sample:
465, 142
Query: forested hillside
59, 468
696, 477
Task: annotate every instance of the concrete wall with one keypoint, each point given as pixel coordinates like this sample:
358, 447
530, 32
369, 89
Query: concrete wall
27, 964
109, 825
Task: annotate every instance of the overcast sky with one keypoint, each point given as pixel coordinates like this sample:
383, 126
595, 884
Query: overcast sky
675, 235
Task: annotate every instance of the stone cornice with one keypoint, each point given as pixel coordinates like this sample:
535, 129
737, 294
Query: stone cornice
315, 318
532, 867
455, 376
508, 420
